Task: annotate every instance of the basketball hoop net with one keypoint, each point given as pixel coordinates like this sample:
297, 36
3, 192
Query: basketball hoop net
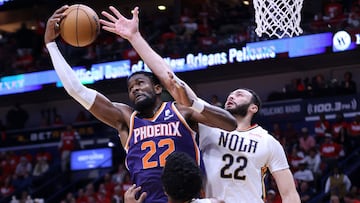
278, 18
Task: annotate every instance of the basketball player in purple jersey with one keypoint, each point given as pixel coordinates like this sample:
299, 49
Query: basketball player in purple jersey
153, 129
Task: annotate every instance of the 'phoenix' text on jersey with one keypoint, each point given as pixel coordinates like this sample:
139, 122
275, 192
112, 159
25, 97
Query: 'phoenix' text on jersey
236, 142
166, 129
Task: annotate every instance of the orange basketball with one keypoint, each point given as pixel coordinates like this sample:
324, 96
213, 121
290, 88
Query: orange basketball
80, 26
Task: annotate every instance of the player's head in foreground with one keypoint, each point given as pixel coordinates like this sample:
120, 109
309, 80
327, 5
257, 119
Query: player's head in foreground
182, 178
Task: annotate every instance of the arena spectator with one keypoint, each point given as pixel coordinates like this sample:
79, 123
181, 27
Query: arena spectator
22, 176
313, 161
69, 198
321, 126
330, 152
306, 141
43, 154
102, 194
319, 86
295, 157
340, 131
23, 168
354, 133
90, 192
348, 85
6, 188
69, 141
81, 197
334, 14
118, 195
306, 192
41, 167
9, 163
303, 174
353, 19
337, 185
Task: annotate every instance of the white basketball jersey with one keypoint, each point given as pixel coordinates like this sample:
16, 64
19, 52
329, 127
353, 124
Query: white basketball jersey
201, 201
234, 162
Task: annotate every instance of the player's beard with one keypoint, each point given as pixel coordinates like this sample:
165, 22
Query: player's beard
240, 110
145, 104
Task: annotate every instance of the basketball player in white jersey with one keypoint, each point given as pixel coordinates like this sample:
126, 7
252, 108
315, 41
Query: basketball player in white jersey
236, 161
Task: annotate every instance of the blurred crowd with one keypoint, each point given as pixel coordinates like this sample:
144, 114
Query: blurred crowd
212, 25
316, 86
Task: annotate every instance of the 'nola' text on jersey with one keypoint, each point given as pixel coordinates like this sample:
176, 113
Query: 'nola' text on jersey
235, 142
162, 129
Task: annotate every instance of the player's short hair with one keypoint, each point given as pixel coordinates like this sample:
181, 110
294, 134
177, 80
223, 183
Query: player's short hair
181, 178
150, 75
255, 98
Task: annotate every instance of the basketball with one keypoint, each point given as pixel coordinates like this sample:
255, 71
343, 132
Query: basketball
80, 26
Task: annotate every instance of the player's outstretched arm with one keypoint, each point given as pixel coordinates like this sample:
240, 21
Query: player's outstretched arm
129, 29
202, 111
96, 103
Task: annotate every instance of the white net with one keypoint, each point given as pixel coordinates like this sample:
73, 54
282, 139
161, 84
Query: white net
278, 18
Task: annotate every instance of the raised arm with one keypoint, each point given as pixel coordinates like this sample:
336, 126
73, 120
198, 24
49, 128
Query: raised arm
115, 115
129, 29
179, 90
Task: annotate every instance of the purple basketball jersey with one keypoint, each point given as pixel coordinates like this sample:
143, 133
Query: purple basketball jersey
150, 141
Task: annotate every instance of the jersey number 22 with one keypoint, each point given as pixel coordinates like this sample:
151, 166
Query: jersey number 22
169, 146
229, 160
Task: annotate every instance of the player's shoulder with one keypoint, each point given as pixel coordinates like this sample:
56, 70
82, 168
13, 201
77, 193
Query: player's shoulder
123, 106
259, 130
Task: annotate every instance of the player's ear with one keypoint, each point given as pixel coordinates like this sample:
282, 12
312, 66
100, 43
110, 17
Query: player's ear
158, 89
254, 108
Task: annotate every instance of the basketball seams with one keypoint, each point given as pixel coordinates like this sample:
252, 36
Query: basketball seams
77, 25
81, 25
90, 18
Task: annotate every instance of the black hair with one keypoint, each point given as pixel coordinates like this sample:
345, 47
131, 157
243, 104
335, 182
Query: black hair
150, 75
255, 98
181, 178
